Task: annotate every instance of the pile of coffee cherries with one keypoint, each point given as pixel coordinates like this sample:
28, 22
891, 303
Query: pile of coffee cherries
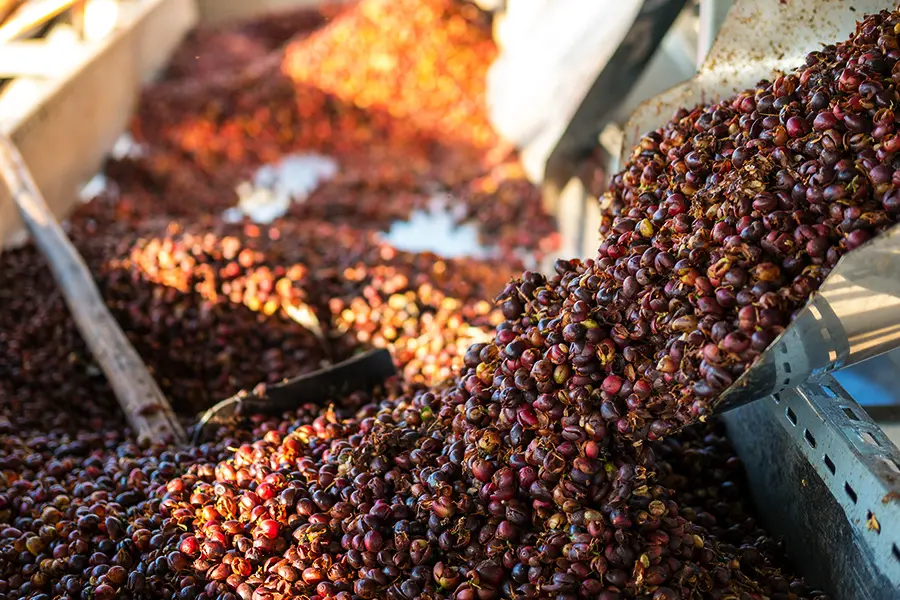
427, 310
724, 222
569, 454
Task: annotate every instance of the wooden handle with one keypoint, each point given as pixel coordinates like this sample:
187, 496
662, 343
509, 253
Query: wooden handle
147, 410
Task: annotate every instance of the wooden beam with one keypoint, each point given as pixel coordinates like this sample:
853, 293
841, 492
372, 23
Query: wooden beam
7, 7
65, 126
30, 16
218, 11
36, 58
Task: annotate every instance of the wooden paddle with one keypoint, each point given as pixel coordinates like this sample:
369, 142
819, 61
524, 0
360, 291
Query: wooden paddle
146, 408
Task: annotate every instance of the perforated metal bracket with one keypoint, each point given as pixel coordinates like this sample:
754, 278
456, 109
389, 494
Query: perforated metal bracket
826, 479
858, 463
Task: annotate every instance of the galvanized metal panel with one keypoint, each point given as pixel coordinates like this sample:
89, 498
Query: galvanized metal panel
826, 479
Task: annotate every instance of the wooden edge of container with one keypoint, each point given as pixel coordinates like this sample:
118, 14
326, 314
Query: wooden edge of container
220, 11
75, 119
159, 29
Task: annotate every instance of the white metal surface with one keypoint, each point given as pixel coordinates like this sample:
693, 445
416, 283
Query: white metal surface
552, 51
712, 15
674, 62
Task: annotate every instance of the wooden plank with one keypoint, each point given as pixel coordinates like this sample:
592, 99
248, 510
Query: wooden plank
75, 119
158, 31
7, 7
30, 16
129, 10
36, 58
79, 119
217, 11
18, 97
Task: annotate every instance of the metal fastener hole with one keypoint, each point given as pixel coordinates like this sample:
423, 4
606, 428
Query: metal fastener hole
896, 551
776, 398
851, 493
893, 465
850, 413
829, 392
792, 417
869, 438
830, 464
809, 438
787, 367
